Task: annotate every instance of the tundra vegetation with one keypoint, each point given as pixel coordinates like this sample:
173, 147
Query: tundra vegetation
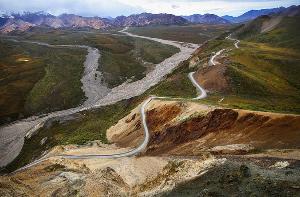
37, 79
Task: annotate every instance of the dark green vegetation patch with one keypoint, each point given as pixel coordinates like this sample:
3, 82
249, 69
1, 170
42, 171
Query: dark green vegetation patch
38, 79
122, 57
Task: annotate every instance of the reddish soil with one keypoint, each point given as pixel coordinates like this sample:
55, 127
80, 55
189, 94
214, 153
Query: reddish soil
157, 118
224, 127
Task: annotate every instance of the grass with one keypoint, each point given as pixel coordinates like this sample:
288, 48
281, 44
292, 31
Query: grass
192, 33
41, 83
60, 88
92, 125
265, 71
50, 80
120, 54
176, 84
286, 34
154, 52
262, 78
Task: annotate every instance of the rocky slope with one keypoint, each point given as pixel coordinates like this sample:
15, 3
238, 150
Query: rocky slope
18, 21
15, 25
145, 19
48, 20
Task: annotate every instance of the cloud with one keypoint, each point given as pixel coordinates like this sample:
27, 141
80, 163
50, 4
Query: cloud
81, 7
175, 6
220, 7
127, 7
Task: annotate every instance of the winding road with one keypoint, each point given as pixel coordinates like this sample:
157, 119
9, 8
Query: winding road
236, 41
212, 61
143, 145
12, 135
134, 151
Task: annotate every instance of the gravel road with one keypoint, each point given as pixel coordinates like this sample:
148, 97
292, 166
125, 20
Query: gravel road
12, 135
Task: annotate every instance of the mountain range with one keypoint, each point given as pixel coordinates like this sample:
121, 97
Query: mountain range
252, 14
23, 22
206, 19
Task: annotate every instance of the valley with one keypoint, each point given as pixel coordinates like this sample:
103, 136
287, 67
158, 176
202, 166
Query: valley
160, 106
121, 59
27, 127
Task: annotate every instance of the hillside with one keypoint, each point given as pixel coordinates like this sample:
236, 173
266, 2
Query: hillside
146, 19
277, 29
206, 19
252, 14
262, 74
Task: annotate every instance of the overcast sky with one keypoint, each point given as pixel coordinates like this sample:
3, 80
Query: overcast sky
114, 8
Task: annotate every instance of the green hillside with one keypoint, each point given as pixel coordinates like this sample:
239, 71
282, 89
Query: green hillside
285, 31
264, 72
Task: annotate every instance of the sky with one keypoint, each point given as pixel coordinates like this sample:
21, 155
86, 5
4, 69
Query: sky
113, 8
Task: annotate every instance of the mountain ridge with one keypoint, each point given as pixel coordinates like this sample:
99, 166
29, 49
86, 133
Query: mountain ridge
252, 14
206, 19
26, 20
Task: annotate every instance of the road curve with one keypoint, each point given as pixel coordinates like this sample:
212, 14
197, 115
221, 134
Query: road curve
12, 135
134, 151
143, 145
236, 41
212, 61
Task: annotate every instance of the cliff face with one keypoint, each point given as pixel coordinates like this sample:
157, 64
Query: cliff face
179, 128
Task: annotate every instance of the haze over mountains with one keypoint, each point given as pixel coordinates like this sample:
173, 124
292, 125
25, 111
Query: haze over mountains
22, 22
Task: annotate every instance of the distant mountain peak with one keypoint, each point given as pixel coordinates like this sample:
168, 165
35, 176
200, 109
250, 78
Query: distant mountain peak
144, 19
206, 19
252, 14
